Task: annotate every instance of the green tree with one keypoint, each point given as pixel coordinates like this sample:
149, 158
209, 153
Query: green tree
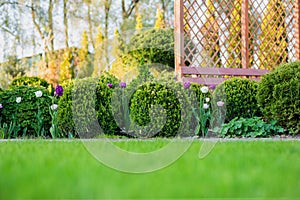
13, 67
273, 48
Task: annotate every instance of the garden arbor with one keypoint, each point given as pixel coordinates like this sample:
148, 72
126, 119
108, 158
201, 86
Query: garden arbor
257, 34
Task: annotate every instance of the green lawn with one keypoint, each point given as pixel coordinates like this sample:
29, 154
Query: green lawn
65, 169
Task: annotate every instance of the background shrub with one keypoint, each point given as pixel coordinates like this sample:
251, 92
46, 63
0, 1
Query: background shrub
278, 96
31, 81
152, 46
155, 46
81, 93
24, 113
240, 98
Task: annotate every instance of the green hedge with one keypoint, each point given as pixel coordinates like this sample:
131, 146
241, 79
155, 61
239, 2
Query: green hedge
31, 81
24, 113
92, 100
239, 96
278, 96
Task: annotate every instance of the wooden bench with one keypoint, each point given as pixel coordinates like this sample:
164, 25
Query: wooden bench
215, 76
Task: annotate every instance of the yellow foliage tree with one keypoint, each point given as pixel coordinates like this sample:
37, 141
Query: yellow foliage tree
235, 36
99, 57
273, 48
120, 69
160, 19
139, 23
85, 67
211, 50
65, 67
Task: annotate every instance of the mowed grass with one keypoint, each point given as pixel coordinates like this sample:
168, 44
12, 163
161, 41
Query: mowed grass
39, 169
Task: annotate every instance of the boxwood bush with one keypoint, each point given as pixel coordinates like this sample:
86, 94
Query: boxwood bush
172, 116
31, 81
239, 96
278, 96
152, 46
104, 105
23, 114
155, 46
91, 98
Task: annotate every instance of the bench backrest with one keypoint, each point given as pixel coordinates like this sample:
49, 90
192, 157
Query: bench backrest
209, 76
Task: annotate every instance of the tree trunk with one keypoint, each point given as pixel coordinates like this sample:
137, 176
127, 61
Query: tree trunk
90, 25
66, 24
50, 25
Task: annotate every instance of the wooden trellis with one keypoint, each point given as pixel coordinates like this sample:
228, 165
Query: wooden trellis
236, 33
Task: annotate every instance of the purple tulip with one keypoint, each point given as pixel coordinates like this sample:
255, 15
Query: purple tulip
59, 91
122, 85
212, 86
187, 85
109, 85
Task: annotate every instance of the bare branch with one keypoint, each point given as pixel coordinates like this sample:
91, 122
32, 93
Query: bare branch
15, 3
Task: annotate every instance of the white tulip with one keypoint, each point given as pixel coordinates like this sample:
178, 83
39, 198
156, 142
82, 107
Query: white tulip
38, 94
205, 106
204, 89
54, 107
220, 103
19, 99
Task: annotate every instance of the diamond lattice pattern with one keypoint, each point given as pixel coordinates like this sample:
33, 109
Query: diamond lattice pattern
213, 33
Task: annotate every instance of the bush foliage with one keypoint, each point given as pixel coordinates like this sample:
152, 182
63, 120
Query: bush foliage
250, 127
31, 81
23, 114
84, 104
278, 96
152, 46
163, 109
239, 96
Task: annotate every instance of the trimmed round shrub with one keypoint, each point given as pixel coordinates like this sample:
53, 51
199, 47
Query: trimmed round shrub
31, 81
152, 46
24, 113
104, 91
64, 114
162, 108
86, 104
278, 96
239, 96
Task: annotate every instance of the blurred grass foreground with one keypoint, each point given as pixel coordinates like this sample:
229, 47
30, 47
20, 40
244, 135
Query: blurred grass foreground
36, 169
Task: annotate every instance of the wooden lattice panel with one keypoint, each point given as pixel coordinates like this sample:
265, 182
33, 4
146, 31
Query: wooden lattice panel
239, 33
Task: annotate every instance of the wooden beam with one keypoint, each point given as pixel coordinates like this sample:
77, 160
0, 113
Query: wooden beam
245, 34
179, 37
297, 28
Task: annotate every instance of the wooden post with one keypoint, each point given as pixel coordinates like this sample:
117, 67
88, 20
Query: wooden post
297, 28
179, 37
245, 34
